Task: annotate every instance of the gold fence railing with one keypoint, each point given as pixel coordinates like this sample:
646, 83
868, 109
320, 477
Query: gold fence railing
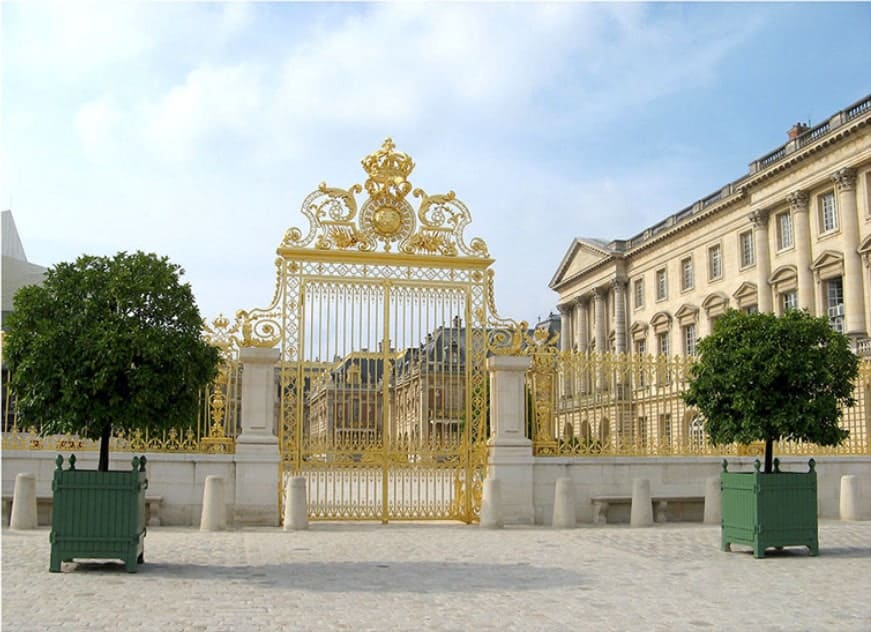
604, 404
214, 430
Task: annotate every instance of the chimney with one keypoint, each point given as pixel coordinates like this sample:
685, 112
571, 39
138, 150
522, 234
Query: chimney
797, 130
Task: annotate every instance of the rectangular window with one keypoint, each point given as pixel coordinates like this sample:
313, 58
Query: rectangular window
689, 340
641, 347
835, 303
638, 288
715, 263
784, 231
748, 255
827, 216
751, 309
665, 429
686, 274
789, 301
661, 285
662, 343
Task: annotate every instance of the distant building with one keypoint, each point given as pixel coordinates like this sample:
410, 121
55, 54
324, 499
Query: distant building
793, 233
17, 270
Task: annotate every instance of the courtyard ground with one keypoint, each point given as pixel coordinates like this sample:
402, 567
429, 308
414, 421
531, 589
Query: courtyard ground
436, 576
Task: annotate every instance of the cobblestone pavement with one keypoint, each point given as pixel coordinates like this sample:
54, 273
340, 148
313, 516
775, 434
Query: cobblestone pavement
444, 577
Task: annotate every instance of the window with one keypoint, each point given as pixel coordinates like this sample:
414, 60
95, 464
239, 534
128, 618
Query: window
665, 429
640, 351
835, 303
697, 432
641, 347
638, 290
686, 274
751, 309
745, 244
662, 343
689, 340
827, 216
788, 301
784, 231
661, 285
715, 263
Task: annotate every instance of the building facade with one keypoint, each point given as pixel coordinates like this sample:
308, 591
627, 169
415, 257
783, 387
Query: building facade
794, 232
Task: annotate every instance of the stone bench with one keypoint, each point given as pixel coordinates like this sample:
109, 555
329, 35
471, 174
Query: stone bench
43, 510
660, 505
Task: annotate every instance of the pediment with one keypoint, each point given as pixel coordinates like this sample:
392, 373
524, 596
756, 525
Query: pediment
745, 290
781, 274
827, 258
661, 321
717, 299
581, 255
687, 313
638, 329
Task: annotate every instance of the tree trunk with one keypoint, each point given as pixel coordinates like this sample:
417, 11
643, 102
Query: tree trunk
769, 454
103, 465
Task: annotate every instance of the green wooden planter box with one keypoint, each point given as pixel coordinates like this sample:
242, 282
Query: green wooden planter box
98, 515
769, 510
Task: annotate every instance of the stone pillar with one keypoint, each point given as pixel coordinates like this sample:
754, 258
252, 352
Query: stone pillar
798, 203
854, 292
641, 512
564, 504
583, 338
601, 326
713, 501
565, 325
24, 515
257, 458
295, 506
759, 218
581, 333
510, 460
619, 286
849, 500
214, 514
491, 505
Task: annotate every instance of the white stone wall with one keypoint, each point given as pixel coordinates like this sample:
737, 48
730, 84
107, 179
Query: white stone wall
178, 478
594, 476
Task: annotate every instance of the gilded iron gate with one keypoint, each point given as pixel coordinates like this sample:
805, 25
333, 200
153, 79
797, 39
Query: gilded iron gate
381, 313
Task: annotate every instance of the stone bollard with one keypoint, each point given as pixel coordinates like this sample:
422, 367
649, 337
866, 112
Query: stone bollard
564, 504
491, 504
24, 503
295, 509
214, 517
713, 511
641, 514
849, 497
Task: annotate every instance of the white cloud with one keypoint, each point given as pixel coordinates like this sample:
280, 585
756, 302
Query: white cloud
96, 123
210, 101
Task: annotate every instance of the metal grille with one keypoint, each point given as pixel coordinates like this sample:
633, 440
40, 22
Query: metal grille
607, 404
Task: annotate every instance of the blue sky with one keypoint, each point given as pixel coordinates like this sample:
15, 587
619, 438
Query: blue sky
196, 130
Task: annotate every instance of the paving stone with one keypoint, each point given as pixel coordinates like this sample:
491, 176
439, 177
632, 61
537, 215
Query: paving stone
437, 576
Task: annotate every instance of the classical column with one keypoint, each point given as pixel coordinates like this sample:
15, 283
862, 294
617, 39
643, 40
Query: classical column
601, 331
798, 203
583, 338
565, 324
583, 343
854, 293
619, 286
759, 218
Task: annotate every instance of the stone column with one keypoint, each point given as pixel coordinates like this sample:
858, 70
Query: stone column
257, 458
854, 292
798, 203
583, 339
510, 460
619, 286
565, 324
581, 333
759, 218
601, 328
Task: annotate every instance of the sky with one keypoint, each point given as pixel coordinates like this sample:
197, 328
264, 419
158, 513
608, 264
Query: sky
195, 130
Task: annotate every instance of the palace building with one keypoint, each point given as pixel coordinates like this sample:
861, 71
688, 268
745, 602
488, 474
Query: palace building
792, 233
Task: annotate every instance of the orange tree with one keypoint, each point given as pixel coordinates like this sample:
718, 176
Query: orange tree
761, 377
108, 342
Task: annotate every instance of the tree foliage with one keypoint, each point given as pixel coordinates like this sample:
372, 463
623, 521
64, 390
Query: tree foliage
108, 342
760, 377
